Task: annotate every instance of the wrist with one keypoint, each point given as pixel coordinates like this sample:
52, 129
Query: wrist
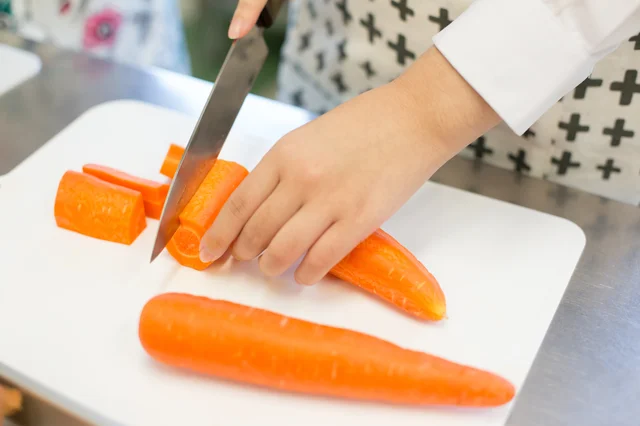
452, 113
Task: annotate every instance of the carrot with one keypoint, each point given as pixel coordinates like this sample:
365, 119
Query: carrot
151, 191
10, 402
382, 266
198, 215
172, 160
259, 347
153, 210
99, 209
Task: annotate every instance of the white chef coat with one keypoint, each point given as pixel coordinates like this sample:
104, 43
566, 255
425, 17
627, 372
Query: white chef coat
139, 32
562, 74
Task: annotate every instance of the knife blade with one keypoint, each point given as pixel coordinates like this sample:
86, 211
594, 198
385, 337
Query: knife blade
232, 85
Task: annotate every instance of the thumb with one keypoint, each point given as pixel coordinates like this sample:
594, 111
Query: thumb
245, 17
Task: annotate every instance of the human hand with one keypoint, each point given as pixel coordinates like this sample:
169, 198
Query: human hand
245, 17
329, 184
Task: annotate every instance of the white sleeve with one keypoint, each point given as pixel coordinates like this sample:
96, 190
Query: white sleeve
522, 56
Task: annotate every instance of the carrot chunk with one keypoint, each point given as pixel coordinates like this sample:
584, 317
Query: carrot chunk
184, 246
199, 214
172, 160
382, 266
153, 210
10, 402
99, 209
151, 191
254, 346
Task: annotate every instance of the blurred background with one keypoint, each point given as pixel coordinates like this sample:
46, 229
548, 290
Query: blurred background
206, 23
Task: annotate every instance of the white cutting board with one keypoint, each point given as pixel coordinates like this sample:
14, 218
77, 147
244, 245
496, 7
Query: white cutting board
69, 304
16, 66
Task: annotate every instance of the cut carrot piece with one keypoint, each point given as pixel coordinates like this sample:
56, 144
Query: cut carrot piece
255, 346
172, 160
10, 402
99, 209
153, 210
199, 214
382, 266
184, 246
151, 191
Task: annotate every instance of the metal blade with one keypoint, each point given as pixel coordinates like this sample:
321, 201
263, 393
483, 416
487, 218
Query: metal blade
235, 79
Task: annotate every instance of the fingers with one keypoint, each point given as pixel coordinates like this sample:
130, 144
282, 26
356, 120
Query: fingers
328, 251
235, 213
245, 17
256, 235
291, 242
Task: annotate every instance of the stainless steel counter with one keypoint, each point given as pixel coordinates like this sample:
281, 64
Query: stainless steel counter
587, 371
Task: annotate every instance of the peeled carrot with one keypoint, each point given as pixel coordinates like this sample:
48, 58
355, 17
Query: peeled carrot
99, 209
198, 215
172, 160
10, 402
153, 210
382, 266
151, 191
259, 347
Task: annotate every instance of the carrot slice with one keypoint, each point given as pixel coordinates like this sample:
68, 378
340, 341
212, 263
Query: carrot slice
198, 215
263, 348
382, 266
99, 209
172, 160
184, 246
153, 210
151, 191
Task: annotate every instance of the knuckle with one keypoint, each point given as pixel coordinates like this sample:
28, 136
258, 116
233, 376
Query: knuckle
311, 175
319, 261
275, 260
253, 241
237, 207
249, 8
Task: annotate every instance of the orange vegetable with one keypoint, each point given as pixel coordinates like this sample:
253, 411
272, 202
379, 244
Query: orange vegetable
99, 209
259, 347
172, 160
10, 402
155, 192
198, 215
382, 266
153, 210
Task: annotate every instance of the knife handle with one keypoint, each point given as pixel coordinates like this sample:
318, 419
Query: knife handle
270, 13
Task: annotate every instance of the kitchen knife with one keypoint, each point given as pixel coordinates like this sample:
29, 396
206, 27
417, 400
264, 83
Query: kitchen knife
235, 79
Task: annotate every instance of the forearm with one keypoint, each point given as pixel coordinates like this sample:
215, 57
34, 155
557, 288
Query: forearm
449, 110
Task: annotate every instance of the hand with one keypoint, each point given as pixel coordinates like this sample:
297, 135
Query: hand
245, 17
326, 186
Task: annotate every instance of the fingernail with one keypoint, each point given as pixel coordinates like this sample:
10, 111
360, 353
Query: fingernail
235, 28
206, 256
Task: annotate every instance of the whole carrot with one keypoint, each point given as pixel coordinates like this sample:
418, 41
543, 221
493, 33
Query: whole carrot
263, 348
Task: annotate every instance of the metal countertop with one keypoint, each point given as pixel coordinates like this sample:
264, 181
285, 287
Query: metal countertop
587, 371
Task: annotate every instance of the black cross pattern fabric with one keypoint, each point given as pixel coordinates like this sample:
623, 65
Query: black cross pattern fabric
590, 139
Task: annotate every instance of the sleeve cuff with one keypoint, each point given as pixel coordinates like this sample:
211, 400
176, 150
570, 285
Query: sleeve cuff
517, 55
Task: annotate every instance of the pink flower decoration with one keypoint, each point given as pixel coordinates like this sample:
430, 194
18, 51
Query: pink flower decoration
101, 28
